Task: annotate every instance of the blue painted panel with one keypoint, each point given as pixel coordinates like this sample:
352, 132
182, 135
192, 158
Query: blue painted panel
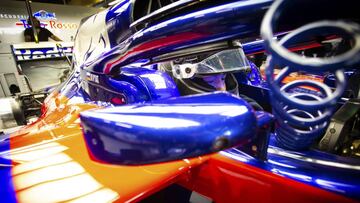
7, 191
168, 130
118, 20
228, 21
134, 83
224, 22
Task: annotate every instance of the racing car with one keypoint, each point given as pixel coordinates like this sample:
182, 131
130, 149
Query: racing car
121, 130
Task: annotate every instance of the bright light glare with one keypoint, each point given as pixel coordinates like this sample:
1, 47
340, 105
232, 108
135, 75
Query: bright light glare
5, 107
60, 190
235, 111
50, 175
225, 110
30, 148
36, 154
331, 184
114, 2
236, 157
46, 174
151, 121
280, 164
100, 196
157, 80
296, 176
51, 160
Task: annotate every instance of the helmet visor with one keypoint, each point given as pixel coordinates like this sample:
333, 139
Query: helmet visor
225, 61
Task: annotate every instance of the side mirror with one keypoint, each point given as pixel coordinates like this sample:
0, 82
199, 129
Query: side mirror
168, 130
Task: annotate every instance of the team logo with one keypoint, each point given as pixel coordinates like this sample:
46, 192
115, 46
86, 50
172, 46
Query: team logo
44, 15
49, 20
51, 24
23, 54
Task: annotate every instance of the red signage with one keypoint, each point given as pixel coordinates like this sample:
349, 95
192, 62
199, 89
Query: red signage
51, 24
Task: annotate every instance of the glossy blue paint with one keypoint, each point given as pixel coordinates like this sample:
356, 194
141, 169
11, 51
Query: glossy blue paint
224, 22
118, 20
7, 191
261, 139
252, 77
133, 84
254, 47
179, 128
4, 142
160, 85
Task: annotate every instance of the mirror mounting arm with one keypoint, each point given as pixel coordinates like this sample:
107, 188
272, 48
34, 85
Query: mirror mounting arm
259, 146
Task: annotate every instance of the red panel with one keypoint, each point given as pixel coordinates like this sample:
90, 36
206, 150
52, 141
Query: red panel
227, 180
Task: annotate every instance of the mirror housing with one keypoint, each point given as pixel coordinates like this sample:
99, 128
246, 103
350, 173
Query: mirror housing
168, 130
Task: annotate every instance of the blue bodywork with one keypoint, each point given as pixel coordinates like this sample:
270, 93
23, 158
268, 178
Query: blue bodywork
7, 191
230, 21
323, 170
135, 84
120, 74
168, 130
121, 71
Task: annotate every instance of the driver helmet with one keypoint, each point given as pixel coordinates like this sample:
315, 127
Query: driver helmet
208, 72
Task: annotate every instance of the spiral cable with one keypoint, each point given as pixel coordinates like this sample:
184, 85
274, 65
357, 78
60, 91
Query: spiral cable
302, 116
